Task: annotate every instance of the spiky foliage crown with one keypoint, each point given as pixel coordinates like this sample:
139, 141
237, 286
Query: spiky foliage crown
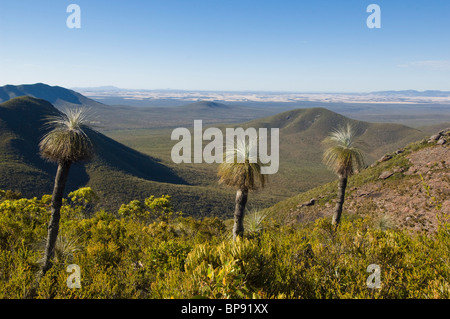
341, 156
67, 141
241, 167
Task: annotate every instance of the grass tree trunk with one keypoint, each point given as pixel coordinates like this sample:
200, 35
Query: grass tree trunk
239, 211
53, 227
340, 200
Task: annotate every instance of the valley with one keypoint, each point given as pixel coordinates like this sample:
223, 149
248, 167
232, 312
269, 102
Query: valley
134, 149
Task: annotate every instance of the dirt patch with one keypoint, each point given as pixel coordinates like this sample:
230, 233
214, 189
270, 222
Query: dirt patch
429, 159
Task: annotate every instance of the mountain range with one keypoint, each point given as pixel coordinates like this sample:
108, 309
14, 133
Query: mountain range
412, 93
108, 117
429, 93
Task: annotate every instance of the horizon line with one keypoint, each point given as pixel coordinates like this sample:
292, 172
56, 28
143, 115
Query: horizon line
113, 87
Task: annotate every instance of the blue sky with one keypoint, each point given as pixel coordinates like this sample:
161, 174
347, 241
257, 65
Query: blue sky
245, 45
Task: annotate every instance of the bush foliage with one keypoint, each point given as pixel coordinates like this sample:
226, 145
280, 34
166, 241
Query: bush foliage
146, 250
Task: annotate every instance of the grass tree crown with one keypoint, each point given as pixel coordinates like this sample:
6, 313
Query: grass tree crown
241, 167
341, 156
67, 140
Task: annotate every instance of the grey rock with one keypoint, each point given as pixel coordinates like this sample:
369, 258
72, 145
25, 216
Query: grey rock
386, 174
385, 158
434, 137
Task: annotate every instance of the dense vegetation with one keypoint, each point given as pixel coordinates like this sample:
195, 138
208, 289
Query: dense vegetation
146, 250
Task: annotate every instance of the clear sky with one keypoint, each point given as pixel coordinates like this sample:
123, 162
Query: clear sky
303, 46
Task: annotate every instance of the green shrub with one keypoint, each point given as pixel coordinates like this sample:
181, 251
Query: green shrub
130, 257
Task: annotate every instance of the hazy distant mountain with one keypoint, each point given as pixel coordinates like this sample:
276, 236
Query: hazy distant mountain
412, 93
206, 105
58, 96
105, 88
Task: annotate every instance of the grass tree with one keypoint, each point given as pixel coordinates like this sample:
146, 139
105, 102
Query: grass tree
344, 159
241, 169
66, 143
254, 220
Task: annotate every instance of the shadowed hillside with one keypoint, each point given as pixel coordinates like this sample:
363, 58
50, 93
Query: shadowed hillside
21, 167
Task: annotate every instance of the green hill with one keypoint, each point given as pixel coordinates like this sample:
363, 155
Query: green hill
301, 134
21, 167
